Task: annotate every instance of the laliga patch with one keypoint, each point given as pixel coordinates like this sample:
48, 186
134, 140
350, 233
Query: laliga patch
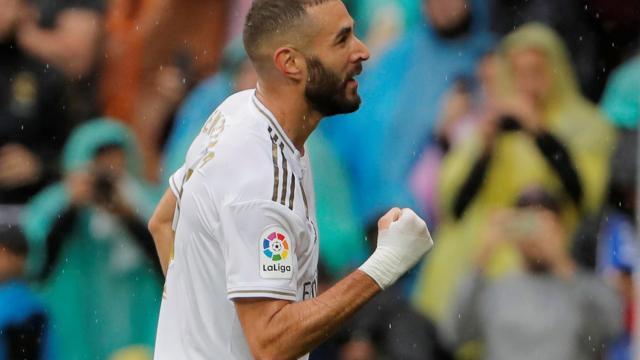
275, 254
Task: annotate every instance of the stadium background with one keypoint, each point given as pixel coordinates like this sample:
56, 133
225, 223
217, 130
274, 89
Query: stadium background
101, 98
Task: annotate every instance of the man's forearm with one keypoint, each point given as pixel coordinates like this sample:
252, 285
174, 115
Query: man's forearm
163, 238
161, 228
296, 328
279, 329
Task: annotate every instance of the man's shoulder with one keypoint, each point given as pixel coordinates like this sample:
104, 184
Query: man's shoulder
242, 173
241, 159
238, 105
243, 139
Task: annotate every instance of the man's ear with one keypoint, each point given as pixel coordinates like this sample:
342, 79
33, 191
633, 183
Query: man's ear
289, 63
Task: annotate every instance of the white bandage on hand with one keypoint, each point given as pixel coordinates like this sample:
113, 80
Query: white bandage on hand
399, 248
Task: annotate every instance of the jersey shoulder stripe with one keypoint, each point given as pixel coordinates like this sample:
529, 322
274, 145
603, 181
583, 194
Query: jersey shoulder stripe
285, 175
283, 178
276, 169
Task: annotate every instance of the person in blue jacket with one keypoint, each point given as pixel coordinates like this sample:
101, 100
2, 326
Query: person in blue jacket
24, 322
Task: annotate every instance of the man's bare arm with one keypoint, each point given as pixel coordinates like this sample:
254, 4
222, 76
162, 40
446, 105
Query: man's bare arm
279, 329
160, 226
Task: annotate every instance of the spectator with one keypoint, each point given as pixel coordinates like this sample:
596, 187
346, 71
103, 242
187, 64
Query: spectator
622, 105
539, 131
25, 332
155, 51
92, 252
551, 310
599, 34
462, 110
608, 241
66, 35
33, 120
400, 95
617, 253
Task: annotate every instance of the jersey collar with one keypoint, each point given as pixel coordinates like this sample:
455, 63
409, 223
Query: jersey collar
275, 125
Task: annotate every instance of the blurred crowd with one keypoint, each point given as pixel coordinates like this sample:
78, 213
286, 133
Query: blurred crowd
510, 125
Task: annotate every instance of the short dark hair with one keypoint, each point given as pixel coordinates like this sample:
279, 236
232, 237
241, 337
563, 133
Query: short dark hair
269, 17
537, 197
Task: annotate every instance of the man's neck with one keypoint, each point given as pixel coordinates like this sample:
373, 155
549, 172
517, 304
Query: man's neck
292, 112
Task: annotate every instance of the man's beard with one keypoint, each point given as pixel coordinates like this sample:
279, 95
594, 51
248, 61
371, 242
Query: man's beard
326, 92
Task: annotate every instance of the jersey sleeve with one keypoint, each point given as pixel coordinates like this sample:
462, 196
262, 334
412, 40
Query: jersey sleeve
259, 244
175, 184
176, 180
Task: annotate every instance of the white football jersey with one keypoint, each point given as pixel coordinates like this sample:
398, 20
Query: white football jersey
245, 227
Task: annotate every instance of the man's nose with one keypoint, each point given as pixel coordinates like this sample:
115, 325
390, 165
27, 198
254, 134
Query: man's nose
362, 52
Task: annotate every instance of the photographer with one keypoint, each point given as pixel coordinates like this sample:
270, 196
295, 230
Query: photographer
550, 310
91, 250
536, 129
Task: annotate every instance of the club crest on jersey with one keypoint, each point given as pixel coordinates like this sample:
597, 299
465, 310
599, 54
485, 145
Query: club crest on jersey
275, 257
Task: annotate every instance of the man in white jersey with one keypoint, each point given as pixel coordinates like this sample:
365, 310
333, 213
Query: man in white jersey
236, 232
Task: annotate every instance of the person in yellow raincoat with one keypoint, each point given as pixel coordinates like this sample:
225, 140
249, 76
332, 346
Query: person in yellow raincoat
538, 131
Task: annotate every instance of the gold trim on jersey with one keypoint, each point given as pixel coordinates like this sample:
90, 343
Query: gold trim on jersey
292, 191
285, 176
276, 171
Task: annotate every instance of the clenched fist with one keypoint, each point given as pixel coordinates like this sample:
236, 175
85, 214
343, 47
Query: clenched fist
403, 239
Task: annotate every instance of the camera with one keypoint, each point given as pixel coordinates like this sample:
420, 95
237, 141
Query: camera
509, 123
103, 186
